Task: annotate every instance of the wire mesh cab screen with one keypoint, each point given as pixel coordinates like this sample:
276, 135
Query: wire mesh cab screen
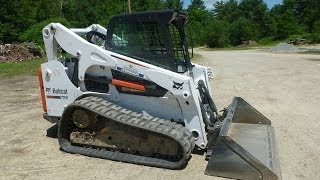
150, 40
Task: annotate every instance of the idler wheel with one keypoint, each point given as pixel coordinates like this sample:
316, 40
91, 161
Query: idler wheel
83, 119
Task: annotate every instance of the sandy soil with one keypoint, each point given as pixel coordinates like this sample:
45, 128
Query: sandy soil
284, 87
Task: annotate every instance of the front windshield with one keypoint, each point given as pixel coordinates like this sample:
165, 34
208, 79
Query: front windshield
143, 40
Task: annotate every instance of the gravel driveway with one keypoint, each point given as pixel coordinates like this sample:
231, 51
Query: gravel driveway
283, 87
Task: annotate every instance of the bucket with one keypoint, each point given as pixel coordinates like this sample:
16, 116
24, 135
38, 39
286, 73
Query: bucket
245, 147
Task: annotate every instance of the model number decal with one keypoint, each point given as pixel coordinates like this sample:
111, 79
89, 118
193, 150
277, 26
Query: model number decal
130, 70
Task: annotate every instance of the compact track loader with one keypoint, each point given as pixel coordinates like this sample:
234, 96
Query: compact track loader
130, 93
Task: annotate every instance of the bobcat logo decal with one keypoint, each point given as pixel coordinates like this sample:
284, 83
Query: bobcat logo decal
177, 85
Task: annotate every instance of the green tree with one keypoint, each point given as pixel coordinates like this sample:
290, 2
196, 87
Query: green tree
20, 20
287, 24
197, 4
8, 30
46, 9
316, 32
145, 5
173, 4
198, 20
243, 30
308, 12
34, 32
217, 34
257, 12
227, 11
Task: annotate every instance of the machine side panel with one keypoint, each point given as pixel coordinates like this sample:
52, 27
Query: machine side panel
59, 90
162, 107
183, 89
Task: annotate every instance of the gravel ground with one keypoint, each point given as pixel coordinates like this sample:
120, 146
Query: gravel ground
284, 87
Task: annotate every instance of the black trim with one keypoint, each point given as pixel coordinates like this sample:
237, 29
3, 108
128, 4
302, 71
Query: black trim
52, 119
97, 83
95, 33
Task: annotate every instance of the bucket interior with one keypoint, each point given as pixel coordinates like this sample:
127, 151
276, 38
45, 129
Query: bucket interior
245, 147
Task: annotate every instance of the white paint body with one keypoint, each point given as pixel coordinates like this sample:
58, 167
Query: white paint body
181, 105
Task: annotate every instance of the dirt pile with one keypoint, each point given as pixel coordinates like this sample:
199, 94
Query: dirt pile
284, 48
297, 41
19, 52
248, 43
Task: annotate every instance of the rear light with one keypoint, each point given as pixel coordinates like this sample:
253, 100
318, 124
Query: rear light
43, 99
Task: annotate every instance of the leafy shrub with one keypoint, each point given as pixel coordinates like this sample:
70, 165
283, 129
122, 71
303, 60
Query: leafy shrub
315, 36
296, 36
217, 34
243, 30
267, 40
34, 32
198, 19
287, 24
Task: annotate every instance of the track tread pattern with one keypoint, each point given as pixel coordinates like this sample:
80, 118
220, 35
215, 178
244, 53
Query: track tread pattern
122, 115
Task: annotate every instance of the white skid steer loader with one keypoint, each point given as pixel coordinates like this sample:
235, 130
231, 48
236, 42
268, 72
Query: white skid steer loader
130, 93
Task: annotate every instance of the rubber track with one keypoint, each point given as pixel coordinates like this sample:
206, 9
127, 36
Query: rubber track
119, 114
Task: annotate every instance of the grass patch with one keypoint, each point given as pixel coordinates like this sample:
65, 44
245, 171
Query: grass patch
196, 57
24, 67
